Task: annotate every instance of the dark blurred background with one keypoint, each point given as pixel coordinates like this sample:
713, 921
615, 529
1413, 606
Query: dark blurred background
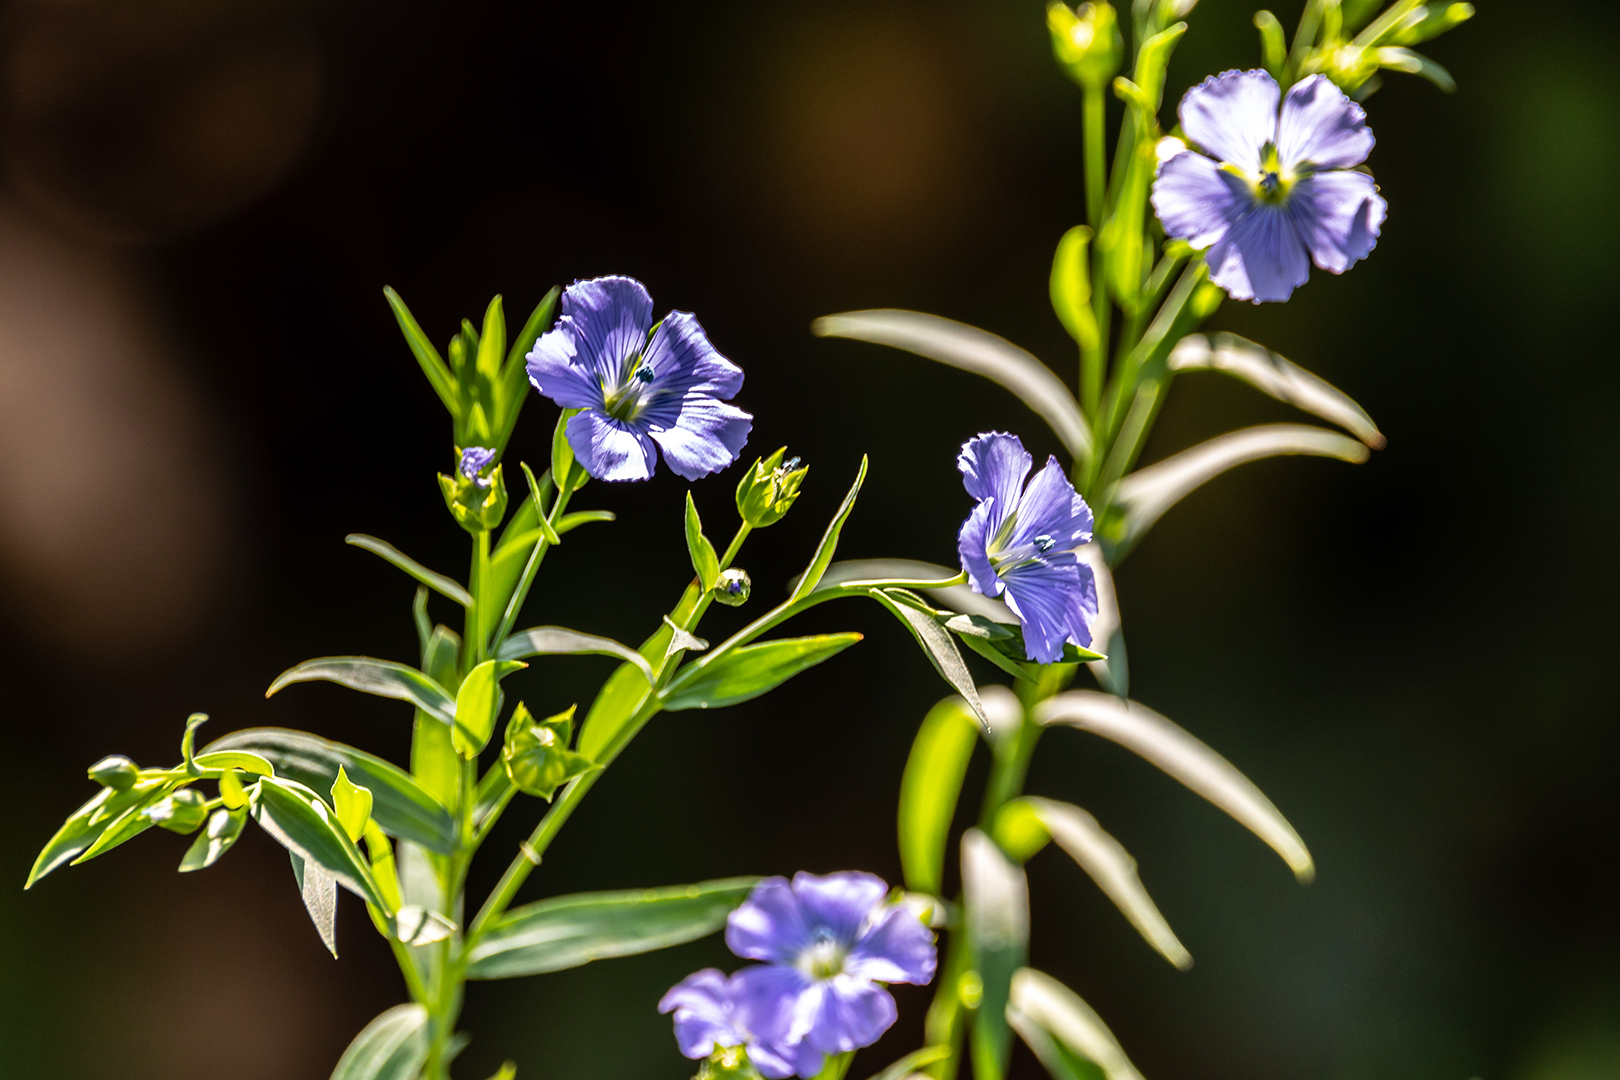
202, 391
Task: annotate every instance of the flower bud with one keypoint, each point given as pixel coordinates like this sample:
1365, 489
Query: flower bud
769, 489
183, 812
536, 755
1086, 42
476, 501
727, 1063
114, 771
733, 588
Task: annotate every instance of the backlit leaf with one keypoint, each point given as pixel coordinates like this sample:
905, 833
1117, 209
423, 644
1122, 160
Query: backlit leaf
561, 641
829, 540
751, 670
1057, 1010
392, 1047
381, 677
929, 789
439, 583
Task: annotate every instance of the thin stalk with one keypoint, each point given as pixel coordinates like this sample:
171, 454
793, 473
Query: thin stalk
472, 653
565, 491
1093, 359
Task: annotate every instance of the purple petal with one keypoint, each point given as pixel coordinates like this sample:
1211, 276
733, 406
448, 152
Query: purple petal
1053, 509
1321, 127
556, 370
1055, 599
971, 547
609, 449
1232, 115
610, 317
474, 459
707, 436
778, 1063
899, 948
993, 466
1262, 258
770, 925
684, 362
1196, 200
839, 903
774, 1002
702, 1006
1339, 215
853, 1013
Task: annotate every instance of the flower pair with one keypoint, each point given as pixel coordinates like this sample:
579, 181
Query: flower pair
827, 946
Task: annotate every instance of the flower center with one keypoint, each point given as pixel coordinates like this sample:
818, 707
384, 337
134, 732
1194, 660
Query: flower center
824, 958
1044, 543
624, 402
1273, 184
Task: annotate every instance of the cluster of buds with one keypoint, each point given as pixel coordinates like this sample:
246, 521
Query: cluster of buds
1353, 63
1086, 41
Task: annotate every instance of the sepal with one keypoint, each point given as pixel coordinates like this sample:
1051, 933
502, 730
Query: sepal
536, 756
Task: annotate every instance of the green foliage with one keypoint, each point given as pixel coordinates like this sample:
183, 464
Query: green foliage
829, 540
751, 670
385, 678
929, 789
769, 489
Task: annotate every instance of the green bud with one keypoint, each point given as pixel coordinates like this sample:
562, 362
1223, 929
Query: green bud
114, 771
769, 489
1086, 42
536, 754
733, 588
727, 1063
478, 505
182, 812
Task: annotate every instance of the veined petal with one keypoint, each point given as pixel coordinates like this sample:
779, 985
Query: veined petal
702, 1006
774, 1002
898, 948
770, 925
1321, 127
1262, 257
853, 1013
610, 317
1052, 509
1055, 601
557, 371
609, 449
971, 547
706, 437
993, 466
1339, 215
1232, 115
684, 362
840, 903
1196, 200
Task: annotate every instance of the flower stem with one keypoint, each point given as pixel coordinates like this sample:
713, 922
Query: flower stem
565, 491
1093, 359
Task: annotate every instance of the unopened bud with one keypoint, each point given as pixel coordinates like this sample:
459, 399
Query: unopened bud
1086, 42
536, 755
733, 587
183, 812
769, 489
477, 501
114, 771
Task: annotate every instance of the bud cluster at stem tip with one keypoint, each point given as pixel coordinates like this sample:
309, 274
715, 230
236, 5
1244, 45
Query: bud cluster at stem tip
769, 489
1086, 41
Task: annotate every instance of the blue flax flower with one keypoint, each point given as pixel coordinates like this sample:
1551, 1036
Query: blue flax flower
474, 460
1276, 192
1019, 543
707, 1020
634, 392
828, 944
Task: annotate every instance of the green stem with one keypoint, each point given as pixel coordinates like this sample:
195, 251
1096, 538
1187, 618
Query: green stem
1093, 358
565, 491
473, 635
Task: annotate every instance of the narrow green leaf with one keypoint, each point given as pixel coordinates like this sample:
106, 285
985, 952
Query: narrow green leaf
514, 384
569, 522
561, 641
381, 677
937, 644
477, 704
705, 563
433, 366
568, 931
914, 1061
318, 890
492, 342
1273, 48
1159, 740
537, 496
419, 615
245, 760
400, 805
303, 824
352, 804
392, 1047
85, 826
437, 582
975, 350
626, 692
995, 896
129, 823
829, 540
414, 925
1415, 63
224, 826
1052, 1007
747, 672
929, 789
1071, 287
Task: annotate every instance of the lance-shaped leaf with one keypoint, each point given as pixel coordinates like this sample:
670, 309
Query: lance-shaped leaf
971, 349
318, 890
1114, 871
1112, 672
381, 677
1265, 370
937, 644
913, 1062
303, 824
224, 827
561, 641
1146, 494
1041, 1003
478, 702
705, 563
400, 806
433, 366
829, 540
439, 583
86, 824
392, 1047
955, 597
929, 789
995, 896
1138, 728
567, 931
751, 670
131, 822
